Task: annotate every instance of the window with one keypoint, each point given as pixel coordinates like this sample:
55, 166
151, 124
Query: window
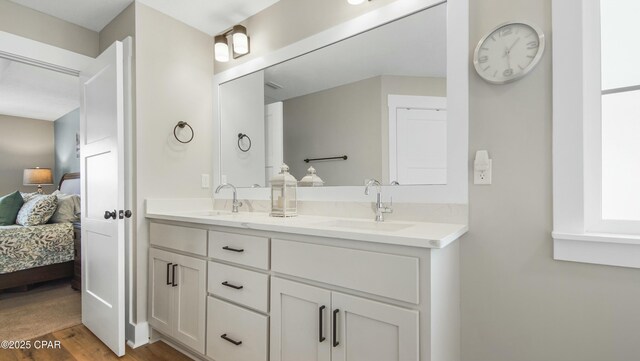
620, 85
596, 131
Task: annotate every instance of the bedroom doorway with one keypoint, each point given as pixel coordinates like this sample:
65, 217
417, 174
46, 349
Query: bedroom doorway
105, 111
39, 244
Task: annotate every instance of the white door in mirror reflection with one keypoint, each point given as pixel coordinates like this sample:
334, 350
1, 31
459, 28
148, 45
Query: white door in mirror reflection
421, 143
274, 123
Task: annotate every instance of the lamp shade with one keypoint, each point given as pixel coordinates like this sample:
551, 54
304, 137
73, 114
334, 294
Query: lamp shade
240, 40
221, 48
37, 176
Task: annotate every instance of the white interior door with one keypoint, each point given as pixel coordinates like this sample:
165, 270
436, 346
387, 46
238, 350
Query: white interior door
103, 189
421, 146
274, 129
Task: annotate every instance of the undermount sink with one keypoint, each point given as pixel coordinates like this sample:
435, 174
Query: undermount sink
365, 225
209, 213
217, 213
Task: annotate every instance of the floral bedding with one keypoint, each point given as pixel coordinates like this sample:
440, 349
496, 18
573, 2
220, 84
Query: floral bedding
34, 246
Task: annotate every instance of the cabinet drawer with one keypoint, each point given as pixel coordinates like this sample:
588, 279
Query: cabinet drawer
387, 275
239, 248
246, 328
185, 239
248, 288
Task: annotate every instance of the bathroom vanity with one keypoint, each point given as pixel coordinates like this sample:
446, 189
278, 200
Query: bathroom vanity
244, 286
249, 287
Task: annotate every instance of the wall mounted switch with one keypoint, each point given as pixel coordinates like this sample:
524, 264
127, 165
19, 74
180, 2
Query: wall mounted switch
205, 181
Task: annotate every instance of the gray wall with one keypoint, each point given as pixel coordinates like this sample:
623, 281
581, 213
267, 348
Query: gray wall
65, 130
518, 304
333, 122
24, 143
23, 21
119, 28
174, 72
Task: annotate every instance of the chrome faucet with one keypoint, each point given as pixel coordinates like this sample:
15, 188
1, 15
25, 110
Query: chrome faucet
380, 207
235, 203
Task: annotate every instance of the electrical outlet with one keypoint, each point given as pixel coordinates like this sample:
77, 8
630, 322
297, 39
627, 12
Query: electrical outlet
483, 176
205, 181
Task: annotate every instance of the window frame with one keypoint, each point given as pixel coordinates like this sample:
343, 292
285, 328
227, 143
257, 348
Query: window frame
579, 233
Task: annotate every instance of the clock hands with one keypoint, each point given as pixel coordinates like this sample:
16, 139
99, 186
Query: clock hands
507, 54
512, 45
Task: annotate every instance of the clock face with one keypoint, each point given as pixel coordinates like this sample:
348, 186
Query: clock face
508, 53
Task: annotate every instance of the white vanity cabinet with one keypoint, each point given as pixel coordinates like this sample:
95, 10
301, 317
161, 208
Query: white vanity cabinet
280, 296
315, 324
177, 285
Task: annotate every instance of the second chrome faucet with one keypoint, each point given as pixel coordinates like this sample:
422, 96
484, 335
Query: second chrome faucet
236, 204
381, 208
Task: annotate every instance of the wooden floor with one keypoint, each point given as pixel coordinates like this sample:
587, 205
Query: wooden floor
79, 344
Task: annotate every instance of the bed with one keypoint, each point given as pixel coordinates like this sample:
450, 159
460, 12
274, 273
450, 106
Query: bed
36, 254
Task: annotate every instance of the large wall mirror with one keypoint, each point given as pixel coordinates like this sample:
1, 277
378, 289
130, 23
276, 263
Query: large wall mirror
373, 104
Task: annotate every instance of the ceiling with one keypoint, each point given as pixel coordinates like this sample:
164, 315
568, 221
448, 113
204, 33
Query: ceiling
31, 92
413, 46
208, 16
28, 91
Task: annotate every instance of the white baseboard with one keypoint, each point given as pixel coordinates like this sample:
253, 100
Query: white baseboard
137, 334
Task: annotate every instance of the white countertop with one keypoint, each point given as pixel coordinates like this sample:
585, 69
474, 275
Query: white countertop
414, 234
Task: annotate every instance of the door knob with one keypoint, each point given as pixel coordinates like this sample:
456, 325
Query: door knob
122, 214
127, 213
108, 214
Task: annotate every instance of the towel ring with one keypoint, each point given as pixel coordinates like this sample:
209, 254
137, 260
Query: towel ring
181, 125
240, 136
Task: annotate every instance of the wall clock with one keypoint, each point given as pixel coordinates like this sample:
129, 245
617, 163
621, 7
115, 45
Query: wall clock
508, 52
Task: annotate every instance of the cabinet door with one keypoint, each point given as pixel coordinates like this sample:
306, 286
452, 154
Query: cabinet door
300, 322
160, 291
190, 301
372, 331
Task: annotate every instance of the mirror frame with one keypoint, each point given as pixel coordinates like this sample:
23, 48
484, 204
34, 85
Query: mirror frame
456, 189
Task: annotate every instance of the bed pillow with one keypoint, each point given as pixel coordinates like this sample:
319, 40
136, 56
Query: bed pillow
9, 207
29, 196
68, 208
37, 211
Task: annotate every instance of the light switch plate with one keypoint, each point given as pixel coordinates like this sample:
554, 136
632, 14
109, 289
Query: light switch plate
205, 181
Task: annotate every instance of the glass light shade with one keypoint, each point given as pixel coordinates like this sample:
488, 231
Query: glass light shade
221, 48
355, 2
240, 40
37, 176
284, 201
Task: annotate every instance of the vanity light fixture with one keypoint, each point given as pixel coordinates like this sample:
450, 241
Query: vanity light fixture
239, 44
221, 48
240, 40
356, 2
